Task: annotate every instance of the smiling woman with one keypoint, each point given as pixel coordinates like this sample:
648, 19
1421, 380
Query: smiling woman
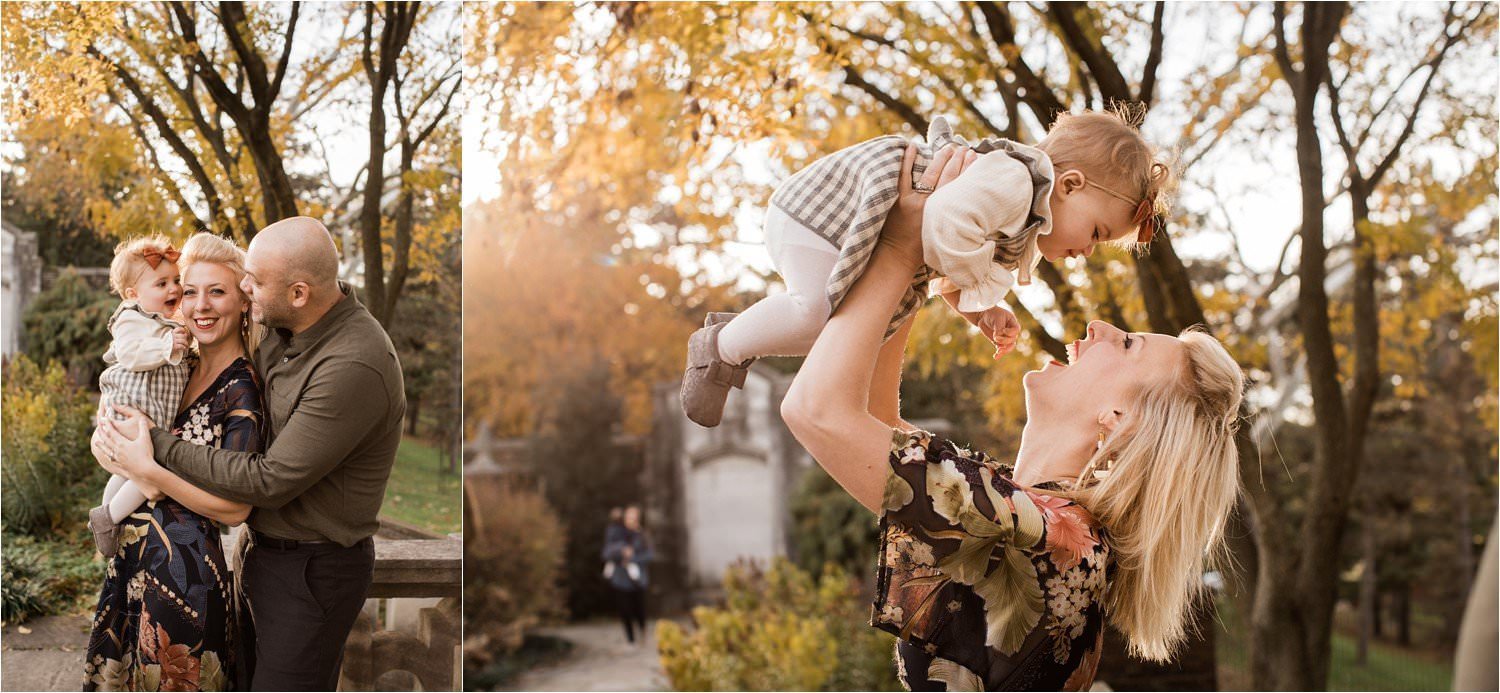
212, 301
169, 555
1001, 576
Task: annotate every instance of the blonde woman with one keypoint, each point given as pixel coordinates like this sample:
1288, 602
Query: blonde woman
1000, 576
166, 617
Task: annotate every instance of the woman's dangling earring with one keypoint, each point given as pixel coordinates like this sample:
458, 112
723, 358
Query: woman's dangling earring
1094, 471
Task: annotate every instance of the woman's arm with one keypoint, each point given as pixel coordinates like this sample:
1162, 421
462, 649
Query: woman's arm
827, 406
197, 500
885, 382
133, 460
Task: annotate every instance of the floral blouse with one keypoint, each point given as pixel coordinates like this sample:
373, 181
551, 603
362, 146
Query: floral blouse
1000, 586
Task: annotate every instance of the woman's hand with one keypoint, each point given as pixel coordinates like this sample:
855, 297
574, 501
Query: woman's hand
902, 233
124, 448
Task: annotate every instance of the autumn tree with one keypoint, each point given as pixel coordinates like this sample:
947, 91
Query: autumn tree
228, 105
655, 130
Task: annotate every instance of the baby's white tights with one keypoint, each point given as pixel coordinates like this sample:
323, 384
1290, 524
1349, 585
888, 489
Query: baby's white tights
785, 324
123, 497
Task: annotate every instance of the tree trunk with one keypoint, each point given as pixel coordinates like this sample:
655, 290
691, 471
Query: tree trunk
405, 221
1280, 659
1368, 605
1463, 520
1378, 625
369, 214
277, 199
413, 414
380, 68
1403, 615
1298, 588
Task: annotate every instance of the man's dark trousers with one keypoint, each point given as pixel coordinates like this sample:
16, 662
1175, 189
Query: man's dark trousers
304, 597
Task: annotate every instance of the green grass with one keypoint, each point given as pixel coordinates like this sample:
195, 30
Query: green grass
1388, 668
420, 492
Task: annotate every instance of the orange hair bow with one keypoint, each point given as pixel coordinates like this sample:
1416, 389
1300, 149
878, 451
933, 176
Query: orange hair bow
154, 257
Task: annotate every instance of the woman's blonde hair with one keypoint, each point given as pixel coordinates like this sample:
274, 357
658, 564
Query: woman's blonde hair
1173, 475
1108, 148
130, 260
207, 248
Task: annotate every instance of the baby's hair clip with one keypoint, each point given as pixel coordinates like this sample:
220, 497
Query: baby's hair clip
153, 257
1146, 220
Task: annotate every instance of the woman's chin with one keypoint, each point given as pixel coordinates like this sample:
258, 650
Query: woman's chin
210, 335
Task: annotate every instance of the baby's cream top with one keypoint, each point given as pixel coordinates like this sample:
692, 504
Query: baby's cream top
995, 195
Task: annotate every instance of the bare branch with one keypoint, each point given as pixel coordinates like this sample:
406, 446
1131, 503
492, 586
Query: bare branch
157, 170
1153, 59
234, 24
1283, 55
931, 70
164, 127
1411, 121
1102, 66
1039, 97
854, 79
286, 50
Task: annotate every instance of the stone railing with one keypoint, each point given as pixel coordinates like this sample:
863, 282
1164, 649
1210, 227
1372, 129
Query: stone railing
408, 636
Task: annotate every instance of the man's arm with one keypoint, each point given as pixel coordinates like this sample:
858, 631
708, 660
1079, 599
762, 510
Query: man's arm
335, 413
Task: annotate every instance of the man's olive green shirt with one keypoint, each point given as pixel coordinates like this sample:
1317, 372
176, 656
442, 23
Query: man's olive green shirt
334, 398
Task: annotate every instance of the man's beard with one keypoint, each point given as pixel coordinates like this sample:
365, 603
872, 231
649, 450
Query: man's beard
269, 318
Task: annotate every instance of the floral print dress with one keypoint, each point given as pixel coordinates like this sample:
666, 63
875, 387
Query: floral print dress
166, 618
987, 584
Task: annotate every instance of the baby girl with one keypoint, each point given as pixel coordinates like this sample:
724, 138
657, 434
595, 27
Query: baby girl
147, 369
1092, 180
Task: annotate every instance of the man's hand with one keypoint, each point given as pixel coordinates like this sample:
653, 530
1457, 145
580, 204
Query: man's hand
1001, 327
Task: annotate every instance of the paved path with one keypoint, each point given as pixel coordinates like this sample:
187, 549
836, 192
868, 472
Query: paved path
600, 660
44, 654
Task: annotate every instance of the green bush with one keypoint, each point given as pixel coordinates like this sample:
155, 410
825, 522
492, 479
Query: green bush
68, 323
832, 527
48, 576
48, 471
512, 568
780, 629
20, 588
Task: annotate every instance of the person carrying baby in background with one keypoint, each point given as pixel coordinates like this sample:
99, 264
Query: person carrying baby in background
1092, 180
148, 369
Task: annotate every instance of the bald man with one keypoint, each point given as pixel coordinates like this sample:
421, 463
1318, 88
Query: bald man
334, 400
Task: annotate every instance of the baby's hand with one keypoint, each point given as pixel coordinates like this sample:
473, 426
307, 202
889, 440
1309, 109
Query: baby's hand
1001, 327
181, 340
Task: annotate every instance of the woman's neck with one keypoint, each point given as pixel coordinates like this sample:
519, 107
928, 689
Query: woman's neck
1051, 452
214, 358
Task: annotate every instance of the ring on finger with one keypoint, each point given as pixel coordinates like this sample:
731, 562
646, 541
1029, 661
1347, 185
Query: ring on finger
918, 187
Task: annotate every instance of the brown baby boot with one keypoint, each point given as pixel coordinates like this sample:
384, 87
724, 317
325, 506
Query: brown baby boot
106, 532
706, 382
